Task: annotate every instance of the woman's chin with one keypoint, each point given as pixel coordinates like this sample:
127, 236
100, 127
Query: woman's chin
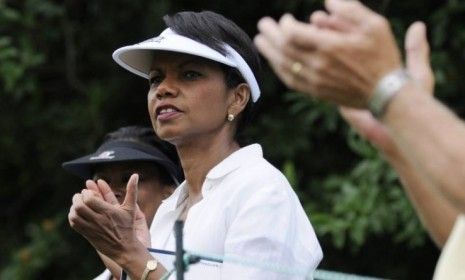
169, 135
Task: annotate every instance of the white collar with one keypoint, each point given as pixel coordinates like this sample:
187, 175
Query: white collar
235, 160
245, 155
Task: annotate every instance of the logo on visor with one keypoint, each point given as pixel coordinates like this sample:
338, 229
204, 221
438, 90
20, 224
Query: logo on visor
104, 155
155, 39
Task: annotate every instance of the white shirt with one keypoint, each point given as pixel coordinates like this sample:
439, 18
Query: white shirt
105, 275
248, 211
451, 264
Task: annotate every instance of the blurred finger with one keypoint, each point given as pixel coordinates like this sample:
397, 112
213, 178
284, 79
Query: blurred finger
292, 78
305, 35
280, 64
284, 59
318, 18
271, 32
270, 52
368, 127
352, 10
417, 56
323, 20
360, 120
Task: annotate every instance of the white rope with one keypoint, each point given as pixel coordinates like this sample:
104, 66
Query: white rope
295, 271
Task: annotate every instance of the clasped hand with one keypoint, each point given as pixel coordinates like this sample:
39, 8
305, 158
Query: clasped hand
110, 227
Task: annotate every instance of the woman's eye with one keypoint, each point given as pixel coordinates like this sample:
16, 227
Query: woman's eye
155, 80
191, 75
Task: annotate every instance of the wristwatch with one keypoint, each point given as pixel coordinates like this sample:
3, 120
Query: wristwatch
149, 267
386, 89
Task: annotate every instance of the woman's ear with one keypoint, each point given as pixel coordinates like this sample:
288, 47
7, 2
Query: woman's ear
167, 191
240, 98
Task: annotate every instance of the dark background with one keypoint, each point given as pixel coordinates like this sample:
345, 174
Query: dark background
60, 92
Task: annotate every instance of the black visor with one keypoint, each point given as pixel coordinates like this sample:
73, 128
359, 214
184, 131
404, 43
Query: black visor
122, 151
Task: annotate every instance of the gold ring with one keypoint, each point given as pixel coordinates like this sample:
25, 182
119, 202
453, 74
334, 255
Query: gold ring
296, 67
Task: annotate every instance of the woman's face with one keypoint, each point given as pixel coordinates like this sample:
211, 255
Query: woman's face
151, 191
188, 97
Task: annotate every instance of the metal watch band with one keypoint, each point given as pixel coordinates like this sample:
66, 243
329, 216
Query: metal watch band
386, 89
149, 267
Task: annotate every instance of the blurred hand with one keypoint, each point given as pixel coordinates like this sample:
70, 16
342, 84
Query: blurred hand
341, 63
107, 225
418, 66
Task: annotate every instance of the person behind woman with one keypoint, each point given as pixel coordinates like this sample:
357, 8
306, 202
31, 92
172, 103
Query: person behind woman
203, 73
129, 150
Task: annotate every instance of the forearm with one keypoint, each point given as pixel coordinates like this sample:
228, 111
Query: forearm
436, 213
112, 266
432, 138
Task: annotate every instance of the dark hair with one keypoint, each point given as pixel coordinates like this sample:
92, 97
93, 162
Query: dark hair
146, 135
214, 30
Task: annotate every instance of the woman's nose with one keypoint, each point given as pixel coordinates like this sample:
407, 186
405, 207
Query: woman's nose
167, 88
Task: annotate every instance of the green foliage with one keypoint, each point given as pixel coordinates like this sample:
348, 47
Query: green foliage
60, 92
45, 246
363, 201
17, 54
366, 201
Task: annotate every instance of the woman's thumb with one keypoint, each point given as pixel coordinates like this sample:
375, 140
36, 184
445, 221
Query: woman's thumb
417, 56
130, 201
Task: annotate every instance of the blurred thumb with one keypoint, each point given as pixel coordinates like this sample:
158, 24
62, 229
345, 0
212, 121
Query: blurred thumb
130, 201
417, 56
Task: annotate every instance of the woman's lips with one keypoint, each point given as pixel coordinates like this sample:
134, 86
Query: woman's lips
168, 113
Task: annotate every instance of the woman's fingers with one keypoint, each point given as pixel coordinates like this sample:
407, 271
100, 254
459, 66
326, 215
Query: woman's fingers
108, 194
91, 185
80, 214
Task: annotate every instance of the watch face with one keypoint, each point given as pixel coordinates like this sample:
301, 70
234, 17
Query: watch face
152, 264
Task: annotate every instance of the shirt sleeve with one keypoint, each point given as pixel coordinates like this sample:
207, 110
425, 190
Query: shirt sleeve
270, 239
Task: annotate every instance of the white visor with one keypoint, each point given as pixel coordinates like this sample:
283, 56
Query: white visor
138, 58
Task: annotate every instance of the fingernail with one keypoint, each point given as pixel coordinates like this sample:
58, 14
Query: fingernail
136, 179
